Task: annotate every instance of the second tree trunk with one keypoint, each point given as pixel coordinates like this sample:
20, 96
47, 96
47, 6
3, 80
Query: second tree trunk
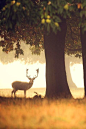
56, 80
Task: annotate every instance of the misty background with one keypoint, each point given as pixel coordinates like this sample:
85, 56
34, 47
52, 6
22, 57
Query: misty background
12, 69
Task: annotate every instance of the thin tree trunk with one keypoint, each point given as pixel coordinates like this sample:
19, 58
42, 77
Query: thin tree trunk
69, 77
83, 42
56, 81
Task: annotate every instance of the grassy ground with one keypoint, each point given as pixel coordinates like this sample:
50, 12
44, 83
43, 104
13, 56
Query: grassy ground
28, 113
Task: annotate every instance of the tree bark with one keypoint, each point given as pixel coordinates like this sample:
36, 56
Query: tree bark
83, 43
56, 81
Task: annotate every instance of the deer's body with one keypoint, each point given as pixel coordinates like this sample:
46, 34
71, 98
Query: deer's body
21, 85
18, 85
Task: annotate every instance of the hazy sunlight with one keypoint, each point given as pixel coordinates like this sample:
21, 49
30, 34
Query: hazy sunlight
17, 71
77, 74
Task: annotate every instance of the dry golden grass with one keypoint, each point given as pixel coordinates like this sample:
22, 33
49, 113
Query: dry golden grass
42, 114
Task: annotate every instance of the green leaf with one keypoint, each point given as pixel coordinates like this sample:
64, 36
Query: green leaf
57, 19
84, 3
10, 25
60, 10
48, 28
81, 14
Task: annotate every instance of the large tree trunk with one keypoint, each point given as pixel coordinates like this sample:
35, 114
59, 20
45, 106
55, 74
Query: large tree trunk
56, 81
83, 42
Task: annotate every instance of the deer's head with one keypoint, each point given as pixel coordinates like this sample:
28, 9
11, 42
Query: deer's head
31, 79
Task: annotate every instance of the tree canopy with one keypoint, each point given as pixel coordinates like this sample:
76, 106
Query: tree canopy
26, 20
41, 12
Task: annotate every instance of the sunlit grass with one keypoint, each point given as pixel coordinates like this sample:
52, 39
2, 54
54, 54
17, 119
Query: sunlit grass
42, 114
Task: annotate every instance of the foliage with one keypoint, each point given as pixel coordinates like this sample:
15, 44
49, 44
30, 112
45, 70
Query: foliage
26, 19
14, 11
47, 13
13, 17
29, 34
73, 42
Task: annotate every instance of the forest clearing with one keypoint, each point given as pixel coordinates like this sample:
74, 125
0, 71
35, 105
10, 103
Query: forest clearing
57, 27
21, 113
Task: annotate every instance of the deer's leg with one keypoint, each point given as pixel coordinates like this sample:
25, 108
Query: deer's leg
12, 93
25, 93
15, 92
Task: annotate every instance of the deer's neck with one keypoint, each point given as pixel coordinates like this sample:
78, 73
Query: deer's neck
31, 83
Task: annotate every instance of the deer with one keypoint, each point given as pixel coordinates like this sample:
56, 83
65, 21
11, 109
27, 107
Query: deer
18, 85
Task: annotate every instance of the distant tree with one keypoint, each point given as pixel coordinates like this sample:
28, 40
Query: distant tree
83, 41
68, 71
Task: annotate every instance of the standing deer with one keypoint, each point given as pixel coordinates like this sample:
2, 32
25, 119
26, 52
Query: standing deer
18, 85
